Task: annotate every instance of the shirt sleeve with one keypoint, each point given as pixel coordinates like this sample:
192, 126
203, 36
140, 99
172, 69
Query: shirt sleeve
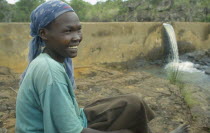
59, 113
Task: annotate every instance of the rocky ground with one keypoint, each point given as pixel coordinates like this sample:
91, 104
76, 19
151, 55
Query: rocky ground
93, 83
200, 58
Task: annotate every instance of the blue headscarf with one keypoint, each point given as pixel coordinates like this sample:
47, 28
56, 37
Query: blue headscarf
40, 18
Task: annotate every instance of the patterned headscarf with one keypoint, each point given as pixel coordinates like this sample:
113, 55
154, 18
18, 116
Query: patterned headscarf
40, 18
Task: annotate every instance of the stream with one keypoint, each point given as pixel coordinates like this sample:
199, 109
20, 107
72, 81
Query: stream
197, 78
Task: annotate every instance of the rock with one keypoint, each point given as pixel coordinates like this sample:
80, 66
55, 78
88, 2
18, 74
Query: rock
163, 16
143, 15
133, 5
174, 11
200, 58
205, 60
207, 71
200, 67
3, 107
196, 55
4, 70
198, 100
164, 5
185, 47
177, 16
1, 123
3, 130
207, 53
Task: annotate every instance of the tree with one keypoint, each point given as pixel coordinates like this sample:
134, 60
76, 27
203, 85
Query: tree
206, 9
81, 8
105, 11
5, 14
23, 9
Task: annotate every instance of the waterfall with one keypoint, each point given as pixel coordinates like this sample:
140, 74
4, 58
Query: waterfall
180, 70
172, 42
175, 63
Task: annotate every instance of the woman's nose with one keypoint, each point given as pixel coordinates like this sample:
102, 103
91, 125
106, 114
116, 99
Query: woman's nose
76, 37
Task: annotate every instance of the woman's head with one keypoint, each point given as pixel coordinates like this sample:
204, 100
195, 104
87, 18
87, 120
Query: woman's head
45, 13
44, 16
62, 36
55, 25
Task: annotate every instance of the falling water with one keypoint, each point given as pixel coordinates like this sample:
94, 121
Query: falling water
172, 42
185, 71
175, 63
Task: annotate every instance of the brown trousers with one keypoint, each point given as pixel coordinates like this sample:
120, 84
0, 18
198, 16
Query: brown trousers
121, 112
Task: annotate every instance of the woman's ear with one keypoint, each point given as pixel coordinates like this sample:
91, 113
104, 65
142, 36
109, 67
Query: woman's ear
43, 34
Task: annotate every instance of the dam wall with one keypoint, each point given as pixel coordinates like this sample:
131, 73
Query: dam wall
107, 42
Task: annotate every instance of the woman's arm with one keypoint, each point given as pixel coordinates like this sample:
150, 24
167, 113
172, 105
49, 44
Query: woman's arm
89, 130
59, 113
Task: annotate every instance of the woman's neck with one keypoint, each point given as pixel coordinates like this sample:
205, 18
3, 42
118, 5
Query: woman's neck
53, 55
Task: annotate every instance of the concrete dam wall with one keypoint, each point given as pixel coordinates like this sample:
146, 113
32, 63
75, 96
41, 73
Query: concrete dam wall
107, 42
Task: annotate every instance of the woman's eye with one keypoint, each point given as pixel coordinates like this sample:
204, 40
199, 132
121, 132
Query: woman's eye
68, 31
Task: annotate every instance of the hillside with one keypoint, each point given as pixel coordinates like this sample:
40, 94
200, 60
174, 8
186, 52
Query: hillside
118, 10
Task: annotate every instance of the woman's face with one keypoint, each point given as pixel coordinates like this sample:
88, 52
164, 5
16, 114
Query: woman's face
64, 35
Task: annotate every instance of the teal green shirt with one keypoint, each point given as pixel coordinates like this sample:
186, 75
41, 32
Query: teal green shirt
46, 102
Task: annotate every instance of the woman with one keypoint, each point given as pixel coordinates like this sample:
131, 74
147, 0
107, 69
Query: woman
46, 101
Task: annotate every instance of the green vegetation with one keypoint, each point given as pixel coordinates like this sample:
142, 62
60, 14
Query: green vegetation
175, 78
81, 8
173, 75
23, 9
188, 97
5, 14
117, 10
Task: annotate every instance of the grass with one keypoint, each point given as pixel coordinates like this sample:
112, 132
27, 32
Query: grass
188, 97
175, 78
173, 74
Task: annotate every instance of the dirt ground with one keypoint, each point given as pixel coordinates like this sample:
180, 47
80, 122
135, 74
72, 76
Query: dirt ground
99, 82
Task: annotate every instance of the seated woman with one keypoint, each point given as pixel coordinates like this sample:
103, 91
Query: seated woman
46, 101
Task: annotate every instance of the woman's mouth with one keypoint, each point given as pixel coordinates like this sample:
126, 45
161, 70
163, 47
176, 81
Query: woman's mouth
71, 51
73, 47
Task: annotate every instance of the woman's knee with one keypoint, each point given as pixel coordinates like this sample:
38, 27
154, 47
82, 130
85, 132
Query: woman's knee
133, 101
132, 98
